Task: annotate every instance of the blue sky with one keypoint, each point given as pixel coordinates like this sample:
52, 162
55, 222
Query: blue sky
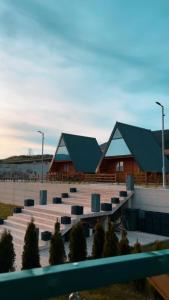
79, 66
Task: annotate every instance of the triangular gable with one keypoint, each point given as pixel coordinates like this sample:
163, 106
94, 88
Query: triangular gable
141, 145
59, 156
144, 147
117, 146
62, 152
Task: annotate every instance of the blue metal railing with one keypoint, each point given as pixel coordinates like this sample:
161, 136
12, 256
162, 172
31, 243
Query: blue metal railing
42, 283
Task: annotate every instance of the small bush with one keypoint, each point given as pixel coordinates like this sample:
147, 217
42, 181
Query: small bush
77, 244
30, 255
111, 245
98, 241
124, 243
57, 250
7, 253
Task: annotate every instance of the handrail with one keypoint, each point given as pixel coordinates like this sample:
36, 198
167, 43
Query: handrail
42, 283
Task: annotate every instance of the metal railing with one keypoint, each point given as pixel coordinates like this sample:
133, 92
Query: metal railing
42, 283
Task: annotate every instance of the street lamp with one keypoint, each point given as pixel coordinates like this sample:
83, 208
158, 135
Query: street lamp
43, 137
163, 147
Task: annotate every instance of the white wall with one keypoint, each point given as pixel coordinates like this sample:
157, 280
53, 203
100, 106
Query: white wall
153, 199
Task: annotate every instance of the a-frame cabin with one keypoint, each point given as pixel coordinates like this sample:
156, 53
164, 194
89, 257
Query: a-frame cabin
75, 154
131, 150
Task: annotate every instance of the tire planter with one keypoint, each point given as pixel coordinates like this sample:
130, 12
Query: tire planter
65, 195
115, 200
46, 236
106, 206
123, 194
17, 210
65, 220
73, 190
77, 210
28, 202
57, 200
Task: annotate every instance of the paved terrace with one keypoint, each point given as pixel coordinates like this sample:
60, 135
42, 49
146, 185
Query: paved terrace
45, 215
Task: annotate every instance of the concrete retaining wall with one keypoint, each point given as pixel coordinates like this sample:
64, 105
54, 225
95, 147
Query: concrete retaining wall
16, 192
153, 199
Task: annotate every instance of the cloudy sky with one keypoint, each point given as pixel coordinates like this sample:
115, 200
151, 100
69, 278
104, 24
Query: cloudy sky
79, 66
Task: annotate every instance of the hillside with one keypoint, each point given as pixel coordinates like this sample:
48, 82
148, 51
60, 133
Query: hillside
25, 158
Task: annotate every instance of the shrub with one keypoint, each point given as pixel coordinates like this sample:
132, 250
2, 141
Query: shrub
98, 241
157, 246
111, 245
77, 245
124, 243
30, 255
57, 250
7, 253
137, 247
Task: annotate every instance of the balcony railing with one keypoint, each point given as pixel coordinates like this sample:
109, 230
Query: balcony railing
42, 283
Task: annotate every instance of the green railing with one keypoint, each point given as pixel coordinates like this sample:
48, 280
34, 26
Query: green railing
48, 282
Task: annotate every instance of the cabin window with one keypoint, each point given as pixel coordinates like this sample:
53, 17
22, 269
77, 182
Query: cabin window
62, 152
120, 166
117, 146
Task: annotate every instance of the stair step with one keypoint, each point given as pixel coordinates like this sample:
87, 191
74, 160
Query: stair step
42, 219
12, 230
42, 214
23, 225
46, 210
25, 219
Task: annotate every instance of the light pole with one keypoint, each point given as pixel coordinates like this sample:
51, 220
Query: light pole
43, 137
163, 146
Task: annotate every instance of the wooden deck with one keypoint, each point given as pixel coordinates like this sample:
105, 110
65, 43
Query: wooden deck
161, 285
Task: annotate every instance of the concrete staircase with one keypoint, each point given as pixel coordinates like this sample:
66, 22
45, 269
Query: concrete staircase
45, 216
44, 219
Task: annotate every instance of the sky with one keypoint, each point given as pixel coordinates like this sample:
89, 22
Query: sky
78, 67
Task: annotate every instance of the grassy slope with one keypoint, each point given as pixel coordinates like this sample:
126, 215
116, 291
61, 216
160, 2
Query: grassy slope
6, 210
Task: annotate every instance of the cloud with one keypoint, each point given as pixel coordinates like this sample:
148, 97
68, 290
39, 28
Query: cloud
79, 68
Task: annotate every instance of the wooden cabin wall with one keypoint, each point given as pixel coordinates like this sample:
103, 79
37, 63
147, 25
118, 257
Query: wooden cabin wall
63, 167
130, 166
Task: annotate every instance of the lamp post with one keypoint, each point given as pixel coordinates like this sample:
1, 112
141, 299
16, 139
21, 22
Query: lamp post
43, 137
163, 147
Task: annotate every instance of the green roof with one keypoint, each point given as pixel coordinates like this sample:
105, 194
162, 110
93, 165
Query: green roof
84, 152
157, 134
143, 147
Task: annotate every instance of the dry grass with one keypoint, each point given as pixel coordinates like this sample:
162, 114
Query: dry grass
112, 292
6, 210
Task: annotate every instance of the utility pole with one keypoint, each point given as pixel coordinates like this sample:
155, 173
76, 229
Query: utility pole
163, 146
43, 138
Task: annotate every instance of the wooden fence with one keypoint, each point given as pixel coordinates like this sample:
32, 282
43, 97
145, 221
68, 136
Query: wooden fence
119, 177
